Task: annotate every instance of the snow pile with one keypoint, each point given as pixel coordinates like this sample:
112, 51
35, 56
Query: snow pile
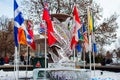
99, 75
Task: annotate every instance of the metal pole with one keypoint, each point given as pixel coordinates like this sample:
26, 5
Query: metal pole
45, 49
15, 58
94, 61
27, 60
18, 58
93, 56
15, 63
88, 12
38, 49
74, 57
93, 36
84, 57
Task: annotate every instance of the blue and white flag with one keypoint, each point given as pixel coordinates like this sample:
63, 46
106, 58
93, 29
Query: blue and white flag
18, 22
42, 28
21, 35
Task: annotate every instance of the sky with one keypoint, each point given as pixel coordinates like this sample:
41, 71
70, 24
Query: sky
109, 7
6, 8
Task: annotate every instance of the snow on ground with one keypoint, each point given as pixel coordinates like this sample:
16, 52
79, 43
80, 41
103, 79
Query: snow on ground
10, 75
99, 75
106, 75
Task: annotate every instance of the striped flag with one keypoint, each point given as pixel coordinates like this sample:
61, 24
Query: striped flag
77, 26
30, 37
30, 31
19, 34
85, 36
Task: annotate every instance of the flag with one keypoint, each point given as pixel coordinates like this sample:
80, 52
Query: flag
85, 38
30, 37
30, 31
90, 19
77, 26
46, 15
19, 34
50, 30
92, 43
90, 29
94, 47
51, 39
22, 36
78, 47
42, 29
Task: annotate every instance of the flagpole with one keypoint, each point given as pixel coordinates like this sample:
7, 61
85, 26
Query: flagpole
74, 57
89, 39
84, 57
15, 63
45, 52
38, 49
93, 55
15, 58
27, 60
83, 50
18, 57
94, 61
92, 47
45, 49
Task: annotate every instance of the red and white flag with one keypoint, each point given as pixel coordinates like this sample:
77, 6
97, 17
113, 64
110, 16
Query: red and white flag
31, 37
77, 26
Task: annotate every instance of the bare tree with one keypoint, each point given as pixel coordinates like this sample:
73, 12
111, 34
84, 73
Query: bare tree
4, 23
106, 32
6, 36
